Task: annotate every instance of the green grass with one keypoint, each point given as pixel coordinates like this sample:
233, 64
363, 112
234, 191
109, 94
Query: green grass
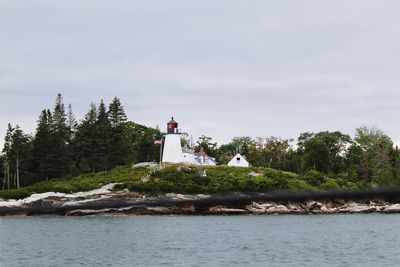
186, 180
84, 182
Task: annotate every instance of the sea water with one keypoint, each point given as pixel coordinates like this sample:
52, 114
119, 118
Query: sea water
290, 240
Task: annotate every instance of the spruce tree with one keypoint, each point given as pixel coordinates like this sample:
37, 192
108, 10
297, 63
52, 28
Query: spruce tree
116, 113
42, 150
72, 125
60, 137
120, 139
86, 141
103, 132
72, 152
8, 139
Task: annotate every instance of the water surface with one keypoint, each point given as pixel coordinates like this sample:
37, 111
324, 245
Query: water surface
327, 240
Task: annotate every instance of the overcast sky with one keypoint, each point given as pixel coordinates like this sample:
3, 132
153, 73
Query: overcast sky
222, 68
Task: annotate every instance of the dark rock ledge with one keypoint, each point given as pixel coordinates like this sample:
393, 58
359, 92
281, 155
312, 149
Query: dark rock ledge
125, 203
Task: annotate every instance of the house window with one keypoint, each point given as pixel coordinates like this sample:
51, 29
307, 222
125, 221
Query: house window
238, 159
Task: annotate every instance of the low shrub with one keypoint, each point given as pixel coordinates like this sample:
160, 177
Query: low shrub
83, 182
187, 180
314, 178
329, 184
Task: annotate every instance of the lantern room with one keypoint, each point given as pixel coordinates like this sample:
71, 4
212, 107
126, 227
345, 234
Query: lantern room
172, 127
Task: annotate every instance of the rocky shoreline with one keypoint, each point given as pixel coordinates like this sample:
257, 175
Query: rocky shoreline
91, 203
308, 208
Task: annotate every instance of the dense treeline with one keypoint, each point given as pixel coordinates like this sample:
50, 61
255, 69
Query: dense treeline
370, 158
63, 147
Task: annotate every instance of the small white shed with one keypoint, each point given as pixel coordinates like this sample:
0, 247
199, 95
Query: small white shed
239, 161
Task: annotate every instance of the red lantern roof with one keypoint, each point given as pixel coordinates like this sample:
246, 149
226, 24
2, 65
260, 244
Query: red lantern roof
172, 121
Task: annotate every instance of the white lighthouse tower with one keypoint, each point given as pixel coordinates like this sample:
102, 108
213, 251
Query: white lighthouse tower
172, 146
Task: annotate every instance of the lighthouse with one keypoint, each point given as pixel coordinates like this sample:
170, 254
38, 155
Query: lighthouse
172, 146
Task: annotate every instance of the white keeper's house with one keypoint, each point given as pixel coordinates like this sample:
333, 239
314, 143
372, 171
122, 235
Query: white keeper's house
239, 161
173, 151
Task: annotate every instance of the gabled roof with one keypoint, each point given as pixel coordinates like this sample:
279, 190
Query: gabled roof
239, 155
199, 155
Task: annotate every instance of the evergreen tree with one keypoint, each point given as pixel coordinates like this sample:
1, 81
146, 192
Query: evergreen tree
59, 116
7, 154
86, 141
121, 138
16, 156
72, 126
8, 140
103, 134
2, 170
144, 149
71, 123
61, 138
51, 143
42, 150
20, 150
116, 113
